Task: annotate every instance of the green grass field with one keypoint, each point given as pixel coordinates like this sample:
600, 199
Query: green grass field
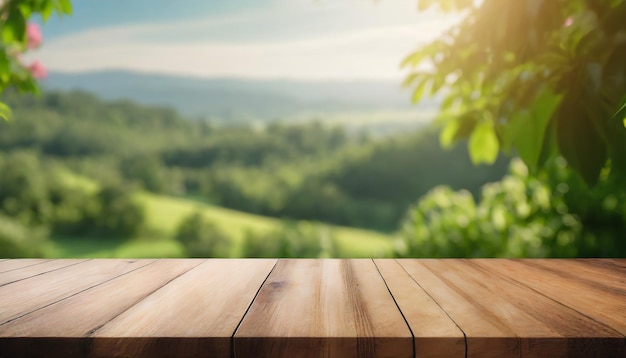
164, 213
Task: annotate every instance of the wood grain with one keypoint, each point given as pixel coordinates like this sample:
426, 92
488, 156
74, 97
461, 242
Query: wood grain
33, 293
88, 310
313, 308
544, 327
324, 308
485, 332
616, 262
435, 334
34, 270
195, 314
607, 306
601, 278
613, 265
14, 264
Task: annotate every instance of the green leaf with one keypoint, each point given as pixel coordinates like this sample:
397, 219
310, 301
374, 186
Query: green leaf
410, 79
579, 141
446, 137
65, 6
14, 27
25, 9
513, 128
620, 115
483, 143
526, 129
5, 63
418, 56
437, 82
549, 148
457, 129
27, 84
5, 112
419, 90
448, 102
413, 59
47, 10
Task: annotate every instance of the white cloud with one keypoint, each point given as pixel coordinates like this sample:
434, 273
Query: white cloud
295, 39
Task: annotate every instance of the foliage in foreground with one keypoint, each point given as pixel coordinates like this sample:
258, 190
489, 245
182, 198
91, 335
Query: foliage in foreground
17, 36
519, 216
539, 77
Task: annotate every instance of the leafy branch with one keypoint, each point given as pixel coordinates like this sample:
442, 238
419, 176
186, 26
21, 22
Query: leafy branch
539, 77
18, 36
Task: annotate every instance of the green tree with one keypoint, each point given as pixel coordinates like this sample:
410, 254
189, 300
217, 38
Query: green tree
17, 36
540, 77
119, 214
23, 189
291, 239
19, 240
202, 238
145, 169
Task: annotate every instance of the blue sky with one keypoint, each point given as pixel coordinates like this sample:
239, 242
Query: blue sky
287, 39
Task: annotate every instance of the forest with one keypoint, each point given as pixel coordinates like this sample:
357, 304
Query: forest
292, 172
74, 170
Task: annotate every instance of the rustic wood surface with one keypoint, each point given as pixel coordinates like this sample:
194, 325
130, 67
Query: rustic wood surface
313, 308
34, 270
338, 308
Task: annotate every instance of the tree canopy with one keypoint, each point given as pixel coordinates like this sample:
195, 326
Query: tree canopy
539, 77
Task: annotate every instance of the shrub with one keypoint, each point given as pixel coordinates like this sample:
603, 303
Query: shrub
118, 215
18, 240
519, 216
202, 238
302, 239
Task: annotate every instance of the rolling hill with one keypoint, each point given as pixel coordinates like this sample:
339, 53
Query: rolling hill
164, 214
243, 100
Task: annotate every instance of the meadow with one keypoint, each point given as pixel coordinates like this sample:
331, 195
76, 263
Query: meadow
164, 213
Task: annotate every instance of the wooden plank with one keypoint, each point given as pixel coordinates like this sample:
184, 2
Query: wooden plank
599, 276
544, 327
33, 293
15, 264
37, 269
194, 315
435, 334
616, 265
494, 312
485, 332
89, 310
315, 308
605, 306
617, 262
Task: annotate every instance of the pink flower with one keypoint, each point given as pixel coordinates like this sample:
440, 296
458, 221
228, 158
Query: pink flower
568, 22
37, 70
33, 36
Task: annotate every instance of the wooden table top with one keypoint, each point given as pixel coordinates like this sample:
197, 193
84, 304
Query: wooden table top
313, 308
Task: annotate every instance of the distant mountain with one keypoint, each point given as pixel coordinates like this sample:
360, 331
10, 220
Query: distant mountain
241, 99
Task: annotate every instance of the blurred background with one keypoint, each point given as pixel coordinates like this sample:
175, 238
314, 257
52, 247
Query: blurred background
293, 128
